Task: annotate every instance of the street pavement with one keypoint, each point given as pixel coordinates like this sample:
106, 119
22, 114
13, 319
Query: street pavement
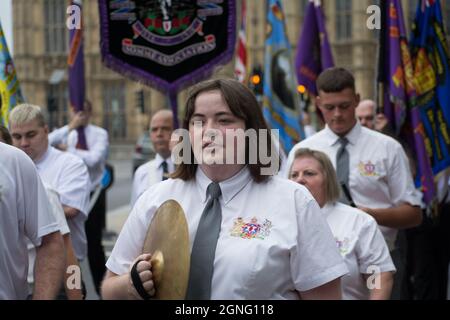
118, 208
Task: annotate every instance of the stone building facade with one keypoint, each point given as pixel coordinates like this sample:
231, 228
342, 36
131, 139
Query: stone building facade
41, 42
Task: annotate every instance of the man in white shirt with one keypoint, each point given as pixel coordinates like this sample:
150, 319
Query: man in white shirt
25, 213
379, 178
373, 166
71, 291
158, 169
64, 172
95, 155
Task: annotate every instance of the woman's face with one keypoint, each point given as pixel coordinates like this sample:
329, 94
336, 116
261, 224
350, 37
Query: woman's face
211, 127
308, 172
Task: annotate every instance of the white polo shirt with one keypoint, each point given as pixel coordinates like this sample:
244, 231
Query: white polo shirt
273, 241
94, 157
58, 212
68, 175
379, 170
24, 213
362, 246
149, 174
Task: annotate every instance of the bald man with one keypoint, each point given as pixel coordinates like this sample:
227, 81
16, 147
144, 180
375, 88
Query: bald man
365, 113
158, 169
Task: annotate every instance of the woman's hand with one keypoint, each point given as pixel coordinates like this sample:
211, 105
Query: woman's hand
144, 269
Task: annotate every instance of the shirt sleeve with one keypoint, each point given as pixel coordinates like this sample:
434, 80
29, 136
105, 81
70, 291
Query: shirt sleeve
39, 220
315, 260
137, 183
58, 136
131, 239
401, 184
97, 152
57, 211
74, 187
372, 250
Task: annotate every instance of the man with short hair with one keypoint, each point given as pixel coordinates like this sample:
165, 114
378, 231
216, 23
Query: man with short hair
372, 166
25, 213
63, 172
158, 169
94, 156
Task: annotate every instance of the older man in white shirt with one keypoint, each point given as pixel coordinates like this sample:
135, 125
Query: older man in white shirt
25, 213
156, 170
94, 156
372, 166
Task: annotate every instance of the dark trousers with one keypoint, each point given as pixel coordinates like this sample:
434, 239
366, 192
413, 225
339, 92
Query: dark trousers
422, 262
429, 256
95, 224
398, 255
443, 249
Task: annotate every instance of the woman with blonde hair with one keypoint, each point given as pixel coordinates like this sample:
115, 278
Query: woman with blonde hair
357, 235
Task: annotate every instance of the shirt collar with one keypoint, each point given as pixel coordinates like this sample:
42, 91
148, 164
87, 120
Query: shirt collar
44, 157
159, 160
328, 208
352, 137
230, 187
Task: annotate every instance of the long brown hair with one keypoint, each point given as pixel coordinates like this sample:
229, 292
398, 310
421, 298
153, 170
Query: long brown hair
243, 104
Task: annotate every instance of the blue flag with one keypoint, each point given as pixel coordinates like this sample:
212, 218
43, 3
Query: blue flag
10, 93
281, 105
431, 59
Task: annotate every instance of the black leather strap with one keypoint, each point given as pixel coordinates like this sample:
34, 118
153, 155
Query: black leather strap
137, 283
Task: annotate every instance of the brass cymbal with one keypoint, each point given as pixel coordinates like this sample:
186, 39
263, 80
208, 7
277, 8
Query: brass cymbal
168, 241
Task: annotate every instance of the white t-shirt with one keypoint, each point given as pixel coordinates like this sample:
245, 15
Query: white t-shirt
94, 157
149, 174
58, 212
291, 249
24, 213
68, 175
362, 246
379, 169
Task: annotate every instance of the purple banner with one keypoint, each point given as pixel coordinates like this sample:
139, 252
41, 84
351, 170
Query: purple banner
76, 75
167, 44
313, 49
398, 85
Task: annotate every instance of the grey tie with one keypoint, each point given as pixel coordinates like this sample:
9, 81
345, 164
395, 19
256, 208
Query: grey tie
343, 167
204, 247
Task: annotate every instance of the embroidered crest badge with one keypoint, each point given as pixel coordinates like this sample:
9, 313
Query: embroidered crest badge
343, 245
367, 169
252, 229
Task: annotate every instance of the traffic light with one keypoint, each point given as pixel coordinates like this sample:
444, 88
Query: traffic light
256, 81
304, 99
301, 89
140, 102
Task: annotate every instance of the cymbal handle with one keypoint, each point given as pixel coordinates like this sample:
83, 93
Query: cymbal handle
157, 262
